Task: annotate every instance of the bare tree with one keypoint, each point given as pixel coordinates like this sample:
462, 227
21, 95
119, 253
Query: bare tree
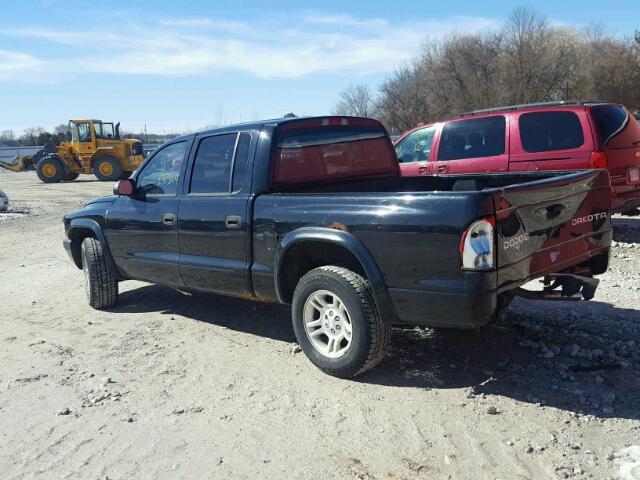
8, 137
32, 135
356, 100
527, 60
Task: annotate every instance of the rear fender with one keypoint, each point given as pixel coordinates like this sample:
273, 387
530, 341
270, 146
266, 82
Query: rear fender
351, 244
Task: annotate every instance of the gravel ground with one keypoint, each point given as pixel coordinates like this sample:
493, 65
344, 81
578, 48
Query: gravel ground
171, 385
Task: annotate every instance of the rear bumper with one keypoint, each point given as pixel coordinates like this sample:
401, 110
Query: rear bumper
443, 309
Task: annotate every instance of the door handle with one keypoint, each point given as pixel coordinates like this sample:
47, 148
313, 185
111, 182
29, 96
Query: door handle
233, 221
443, 169
422, 171
168, 219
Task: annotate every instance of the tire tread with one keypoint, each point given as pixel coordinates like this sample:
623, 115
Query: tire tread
104, 287
380, 330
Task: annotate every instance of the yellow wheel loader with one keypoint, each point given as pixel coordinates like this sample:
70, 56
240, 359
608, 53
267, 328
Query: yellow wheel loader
95, 148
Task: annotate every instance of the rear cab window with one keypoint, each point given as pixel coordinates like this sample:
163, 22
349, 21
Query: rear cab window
547, 131
473, 138
332, 149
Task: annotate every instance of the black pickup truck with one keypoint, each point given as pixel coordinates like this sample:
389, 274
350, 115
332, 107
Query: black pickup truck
313, 212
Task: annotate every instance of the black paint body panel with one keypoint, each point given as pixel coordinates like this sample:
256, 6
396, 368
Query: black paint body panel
404, 232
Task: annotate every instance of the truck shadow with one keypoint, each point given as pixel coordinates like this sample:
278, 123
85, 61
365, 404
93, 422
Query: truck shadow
510, 360
504, 360
263, 319
626, 229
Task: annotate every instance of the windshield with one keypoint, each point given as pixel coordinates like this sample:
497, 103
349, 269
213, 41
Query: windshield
416, 146
73, 128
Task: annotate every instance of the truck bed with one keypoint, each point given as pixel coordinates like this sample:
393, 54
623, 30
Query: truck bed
412, 226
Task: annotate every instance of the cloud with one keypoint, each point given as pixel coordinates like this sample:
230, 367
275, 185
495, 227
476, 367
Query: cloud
18, 64
278, 47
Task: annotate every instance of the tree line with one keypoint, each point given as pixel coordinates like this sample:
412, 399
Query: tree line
61, 133
526, 60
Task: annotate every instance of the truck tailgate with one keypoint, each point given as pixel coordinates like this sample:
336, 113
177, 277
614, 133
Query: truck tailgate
547, 226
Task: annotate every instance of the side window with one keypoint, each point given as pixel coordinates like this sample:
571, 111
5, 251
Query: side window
241, 161
473, 138
545, 131
212, 166
416, 146
84, 132
160, 175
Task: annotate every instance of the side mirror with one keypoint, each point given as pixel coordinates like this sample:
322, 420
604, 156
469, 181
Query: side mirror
124, 187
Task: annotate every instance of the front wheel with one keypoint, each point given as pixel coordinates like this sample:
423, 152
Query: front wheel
50, 170
107, 169
100, 285
337, 323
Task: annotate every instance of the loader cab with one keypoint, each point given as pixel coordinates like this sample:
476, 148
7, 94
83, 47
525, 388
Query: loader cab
82, 136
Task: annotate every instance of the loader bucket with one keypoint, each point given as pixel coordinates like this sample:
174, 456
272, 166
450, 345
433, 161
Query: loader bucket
15, 164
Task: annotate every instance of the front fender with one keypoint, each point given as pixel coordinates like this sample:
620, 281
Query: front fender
352, 244
80, 228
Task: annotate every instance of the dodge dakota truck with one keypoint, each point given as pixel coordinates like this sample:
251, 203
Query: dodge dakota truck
313, 212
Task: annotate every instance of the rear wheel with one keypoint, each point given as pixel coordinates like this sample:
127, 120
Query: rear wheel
70, 176
337, 323
100, 285
107, 169
50, 170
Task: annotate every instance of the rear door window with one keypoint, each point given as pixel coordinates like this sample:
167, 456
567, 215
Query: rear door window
473, 138
416, 147
546, 131
240, 162
212, 166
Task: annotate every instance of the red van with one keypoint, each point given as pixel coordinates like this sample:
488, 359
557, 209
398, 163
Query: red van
541, 136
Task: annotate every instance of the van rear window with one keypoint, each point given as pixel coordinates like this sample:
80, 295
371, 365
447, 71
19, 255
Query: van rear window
547, 131
473, 138
333, 152
610, 120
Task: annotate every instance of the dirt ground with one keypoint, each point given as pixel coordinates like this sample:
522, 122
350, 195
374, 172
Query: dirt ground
171, 385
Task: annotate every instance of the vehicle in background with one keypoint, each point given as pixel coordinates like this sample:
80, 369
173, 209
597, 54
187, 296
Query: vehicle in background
4, 202
95, 147
313, 212
531, 137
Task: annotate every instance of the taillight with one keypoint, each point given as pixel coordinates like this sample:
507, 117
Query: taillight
477, 245
598, 159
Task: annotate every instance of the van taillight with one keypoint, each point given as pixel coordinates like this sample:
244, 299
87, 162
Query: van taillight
598, 159
477, 245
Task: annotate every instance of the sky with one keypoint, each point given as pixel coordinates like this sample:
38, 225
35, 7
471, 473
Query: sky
179, 66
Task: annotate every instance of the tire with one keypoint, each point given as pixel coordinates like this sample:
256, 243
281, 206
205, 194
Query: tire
70, 176
107, 169
355, 352
50, 170
100, 285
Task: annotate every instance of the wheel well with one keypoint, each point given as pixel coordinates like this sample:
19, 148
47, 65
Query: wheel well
76, 236
305, 256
